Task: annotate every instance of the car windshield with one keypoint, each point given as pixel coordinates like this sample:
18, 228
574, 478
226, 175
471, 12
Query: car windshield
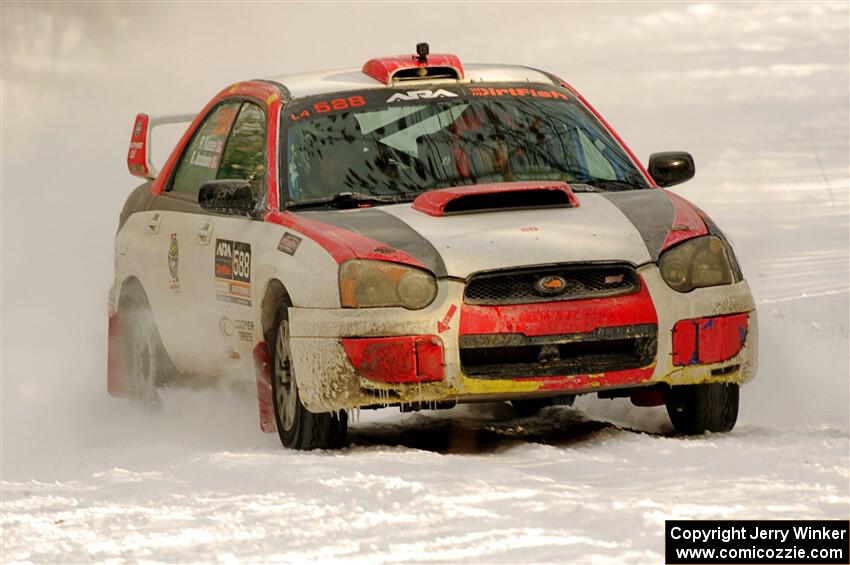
394, 145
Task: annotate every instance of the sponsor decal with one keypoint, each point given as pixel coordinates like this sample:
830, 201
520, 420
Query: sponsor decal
551, 285
421, 95
516, 92
208, 152
173, 262
232, 271
326, 106
528, 229
443, 324
356, 102
233, 354
245, 329
289, 243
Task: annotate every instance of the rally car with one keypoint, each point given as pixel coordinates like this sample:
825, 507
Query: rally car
420, 233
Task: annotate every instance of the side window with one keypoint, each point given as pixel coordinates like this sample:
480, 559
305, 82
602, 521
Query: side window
245, 154
203, 155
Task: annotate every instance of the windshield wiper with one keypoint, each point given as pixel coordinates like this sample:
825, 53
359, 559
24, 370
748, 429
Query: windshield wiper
607, 184
344, 200
583, 187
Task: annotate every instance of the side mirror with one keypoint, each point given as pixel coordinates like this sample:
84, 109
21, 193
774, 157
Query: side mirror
671, 167
227, 197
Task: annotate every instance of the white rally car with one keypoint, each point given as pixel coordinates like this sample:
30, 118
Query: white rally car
420, 233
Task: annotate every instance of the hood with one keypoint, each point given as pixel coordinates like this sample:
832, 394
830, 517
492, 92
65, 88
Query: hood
613, 226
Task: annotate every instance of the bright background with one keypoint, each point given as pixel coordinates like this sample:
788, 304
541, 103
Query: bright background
757, 92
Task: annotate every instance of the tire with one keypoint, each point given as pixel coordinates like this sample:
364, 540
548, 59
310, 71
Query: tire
696, 409
530, 407
297, 427
143, 359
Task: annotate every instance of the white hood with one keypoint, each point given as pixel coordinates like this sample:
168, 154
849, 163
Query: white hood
595, 231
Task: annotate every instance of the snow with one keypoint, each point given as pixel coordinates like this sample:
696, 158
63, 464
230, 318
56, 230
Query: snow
83, 477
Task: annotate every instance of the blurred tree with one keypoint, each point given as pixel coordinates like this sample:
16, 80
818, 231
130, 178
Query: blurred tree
55, 37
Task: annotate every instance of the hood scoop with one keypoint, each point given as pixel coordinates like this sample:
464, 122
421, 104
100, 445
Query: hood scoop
496, 197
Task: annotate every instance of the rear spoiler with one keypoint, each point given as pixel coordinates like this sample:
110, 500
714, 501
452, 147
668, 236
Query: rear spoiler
139, 155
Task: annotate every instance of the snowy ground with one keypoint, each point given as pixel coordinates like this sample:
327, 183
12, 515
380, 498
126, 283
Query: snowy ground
88, 478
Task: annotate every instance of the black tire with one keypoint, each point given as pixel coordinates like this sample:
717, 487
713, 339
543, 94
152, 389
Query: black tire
297, 427
696, 409
530, 407
143, 359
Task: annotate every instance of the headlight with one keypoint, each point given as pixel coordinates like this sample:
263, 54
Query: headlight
370, 284
696, 263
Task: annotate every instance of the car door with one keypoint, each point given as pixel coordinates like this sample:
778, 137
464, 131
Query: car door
183, 230
226, 279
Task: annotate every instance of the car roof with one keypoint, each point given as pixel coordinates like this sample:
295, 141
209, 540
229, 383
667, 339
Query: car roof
323, 82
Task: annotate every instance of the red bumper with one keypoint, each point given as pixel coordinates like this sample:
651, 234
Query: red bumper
709, 340
585, 334
405, 359
550, 318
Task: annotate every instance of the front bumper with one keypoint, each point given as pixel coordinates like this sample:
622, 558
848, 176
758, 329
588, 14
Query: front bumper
328, 379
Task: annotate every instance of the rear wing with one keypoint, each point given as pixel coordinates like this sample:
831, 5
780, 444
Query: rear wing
139, 154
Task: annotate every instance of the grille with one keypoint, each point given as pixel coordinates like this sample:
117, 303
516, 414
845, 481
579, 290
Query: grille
600, 351
521, 286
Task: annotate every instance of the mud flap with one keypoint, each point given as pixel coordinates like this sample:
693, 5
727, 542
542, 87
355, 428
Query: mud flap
262, 367
115, 384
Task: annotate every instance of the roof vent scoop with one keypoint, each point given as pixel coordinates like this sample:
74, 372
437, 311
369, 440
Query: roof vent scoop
421, 66
495, 197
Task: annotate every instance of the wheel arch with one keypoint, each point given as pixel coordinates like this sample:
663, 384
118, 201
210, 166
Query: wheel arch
131, 289
274, 294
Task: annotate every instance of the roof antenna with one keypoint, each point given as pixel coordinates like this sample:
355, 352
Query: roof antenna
422, 50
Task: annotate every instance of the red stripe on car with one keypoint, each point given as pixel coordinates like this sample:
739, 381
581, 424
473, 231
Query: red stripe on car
342, 244
687, 223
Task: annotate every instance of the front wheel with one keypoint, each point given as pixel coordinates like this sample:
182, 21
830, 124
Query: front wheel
696, 409
297, 427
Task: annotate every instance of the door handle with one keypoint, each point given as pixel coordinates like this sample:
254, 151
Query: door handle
205, 232
153, 222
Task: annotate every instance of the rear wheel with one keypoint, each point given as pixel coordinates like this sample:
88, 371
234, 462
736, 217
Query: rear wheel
696, 409
297, 427
143, 358
530, 407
